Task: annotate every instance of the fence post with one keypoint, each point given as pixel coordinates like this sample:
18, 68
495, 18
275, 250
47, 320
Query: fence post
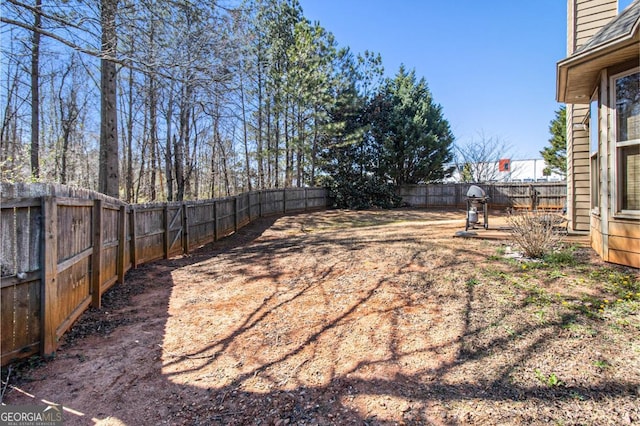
134, 237
259, 203
96, 257
185, 229
122, 240
235, 213
306, 200
165, 241
284, 200
215, 220
49, 285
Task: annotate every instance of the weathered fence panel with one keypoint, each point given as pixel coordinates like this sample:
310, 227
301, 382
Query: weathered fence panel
62, 248
149, 233
244, 209
226, 217
20, 278
272, 202
551, 196
294, 200
317, 198
70, 290
201, 223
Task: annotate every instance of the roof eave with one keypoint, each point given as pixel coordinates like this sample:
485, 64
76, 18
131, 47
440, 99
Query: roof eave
588, 64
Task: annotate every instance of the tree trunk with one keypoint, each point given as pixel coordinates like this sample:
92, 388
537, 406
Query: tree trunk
288, 157
269, 146
153, 135
314, 152
35, 93
259, 145
245, 136
130, 140
276, 143
299, 151
168, 167
109, 176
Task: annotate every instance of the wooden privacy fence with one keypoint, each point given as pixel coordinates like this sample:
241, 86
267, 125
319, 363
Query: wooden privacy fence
62, 248
550, 196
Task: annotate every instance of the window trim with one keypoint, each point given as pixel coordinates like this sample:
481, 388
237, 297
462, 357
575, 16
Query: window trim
616, 205
594, 155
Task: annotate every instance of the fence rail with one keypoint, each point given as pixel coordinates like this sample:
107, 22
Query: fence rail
62, 248
549, 196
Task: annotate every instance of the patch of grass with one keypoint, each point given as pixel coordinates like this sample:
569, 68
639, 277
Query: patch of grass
472, 282
535, 295
497, 274
540, 315
556, 274
623, 285
602, 364
551, 380
563, 257
579, 330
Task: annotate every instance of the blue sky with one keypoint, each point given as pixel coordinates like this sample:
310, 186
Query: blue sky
490, 64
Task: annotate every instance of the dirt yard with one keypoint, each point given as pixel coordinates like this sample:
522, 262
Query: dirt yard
365, 318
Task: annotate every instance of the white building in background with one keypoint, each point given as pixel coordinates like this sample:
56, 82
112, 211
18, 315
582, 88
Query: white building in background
507, 170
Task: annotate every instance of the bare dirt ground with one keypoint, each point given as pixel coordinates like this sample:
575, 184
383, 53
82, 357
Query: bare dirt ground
367, 318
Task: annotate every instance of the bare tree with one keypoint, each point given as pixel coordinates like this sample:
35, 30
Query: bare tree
478, 160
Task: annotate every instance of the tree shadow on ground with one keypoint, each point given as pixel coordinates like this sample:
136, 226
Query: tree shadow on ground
266, 342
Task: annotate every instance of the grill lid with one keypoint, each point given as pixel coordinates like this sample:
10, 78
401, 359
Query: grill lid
476, 192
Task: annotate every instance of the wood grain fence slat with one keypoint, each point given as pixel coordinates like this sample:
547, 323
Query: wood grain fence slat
49, 272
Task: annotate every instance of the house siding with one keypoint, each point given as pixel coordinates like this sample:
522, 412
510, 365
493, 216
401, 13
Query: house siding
596, 237
624, 242
584, 19
614, 235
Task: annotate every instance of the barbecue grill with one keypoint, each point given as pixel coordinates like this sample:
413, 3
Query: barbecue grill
477, 201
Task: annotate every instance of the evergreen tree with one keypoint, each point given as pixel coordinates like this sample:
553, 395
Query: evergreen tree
414, 139
350, 157
555, 155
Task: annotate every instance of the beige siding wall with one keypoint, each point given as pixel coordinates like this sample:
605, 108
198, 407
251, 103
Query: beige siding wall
624, 242
596, 236
578, 195
584, 19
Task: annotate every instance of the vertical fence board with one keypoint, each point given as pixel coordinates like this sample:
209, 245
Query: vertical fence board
134, 236
185, 228
7, 337
49, 296
122, 243
35, 235
96, 279
8, 242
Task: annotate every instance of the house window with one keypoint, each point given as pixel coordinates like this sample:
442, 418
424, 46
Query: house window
594, 132
627, 121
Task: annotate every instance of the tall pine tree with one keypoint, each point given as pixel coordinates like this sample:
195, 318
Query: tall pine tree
414, 138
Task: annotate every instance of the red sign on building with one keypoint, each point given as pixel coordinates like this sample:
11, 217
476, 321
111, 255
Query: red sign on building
504, 165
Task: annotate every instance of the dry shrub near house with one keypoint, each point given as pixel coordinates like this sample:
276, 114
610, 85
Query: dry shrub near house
535, 233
